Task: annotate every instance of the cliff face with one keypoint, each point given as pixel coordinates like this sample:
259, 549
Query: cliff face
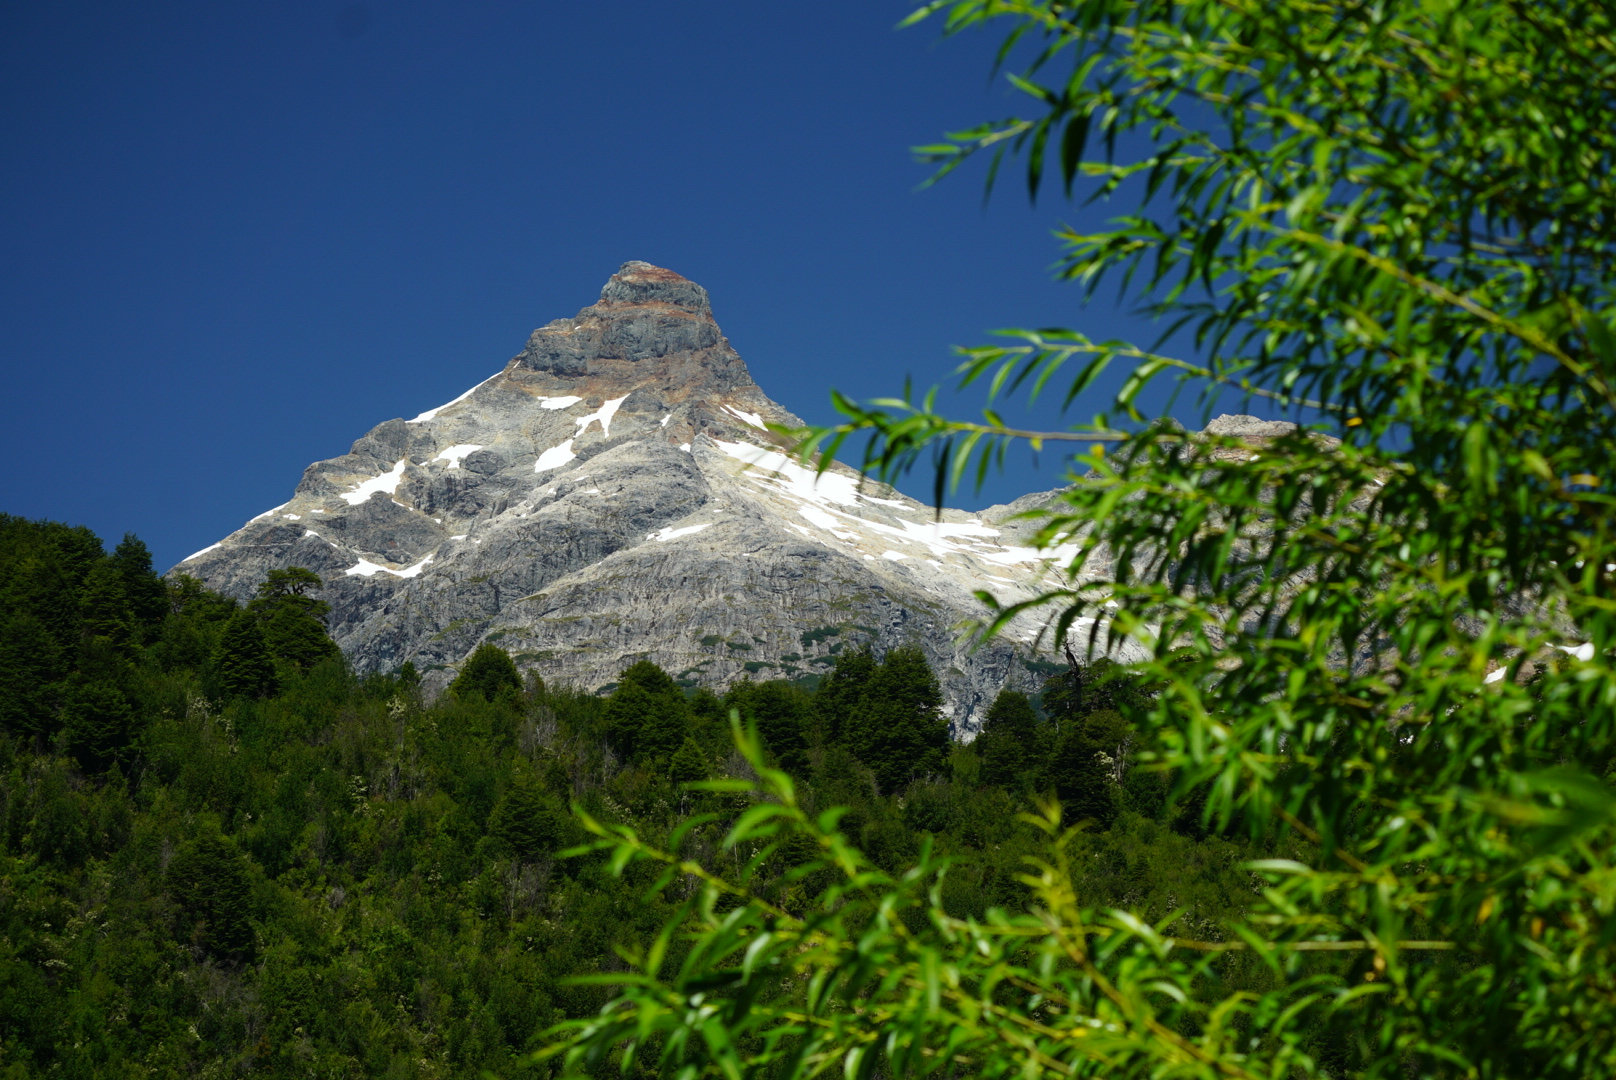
614, 494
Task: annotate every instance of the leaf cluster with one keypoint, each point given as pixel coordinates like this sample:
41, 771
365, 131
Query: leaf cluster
1390, 631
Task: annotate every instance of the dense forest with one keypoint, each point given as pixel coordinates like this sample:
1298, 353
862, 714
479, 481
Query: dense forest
224, 852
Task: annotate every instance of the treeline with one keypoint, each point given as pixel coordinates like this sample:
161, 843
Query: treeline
223, 851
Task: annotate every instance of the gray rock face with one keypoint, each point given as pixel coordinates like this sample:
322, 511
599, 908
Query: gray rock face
615, 494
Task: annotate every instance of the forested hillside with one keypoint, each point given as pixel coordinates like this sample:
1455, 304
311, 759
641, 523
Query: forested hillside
222, 853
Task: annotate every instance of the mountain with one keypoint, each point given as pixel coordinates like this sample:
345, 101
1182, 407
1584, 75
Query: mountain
614, 493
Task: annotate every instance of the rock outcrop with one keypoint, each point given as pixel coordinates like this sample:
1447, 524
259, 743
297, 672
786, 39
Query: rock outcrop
615, 493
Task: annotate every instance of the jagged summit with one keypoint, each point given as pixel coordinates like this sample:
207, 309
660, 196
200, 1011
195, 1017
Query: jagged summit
615, 493
651, 329
639, 282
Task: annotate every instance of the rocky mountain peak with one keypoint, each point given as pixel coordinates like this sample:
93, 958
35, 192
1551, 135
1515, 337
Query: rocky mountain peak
639, 282
651, 327
615, 493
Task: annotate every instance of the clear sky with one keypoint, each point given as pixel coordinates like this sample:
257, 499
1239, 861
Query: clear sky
237, 235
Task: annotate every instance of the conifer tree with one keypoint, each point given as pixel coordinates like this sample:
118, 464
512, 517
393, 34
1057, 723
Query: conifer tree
295, 637
241, 665
707, 709
1082, 771
75, 548
145, 591
37, 583
1083, 689
533, 686
488, 674
525, 819
290, 999
688, 764
188, 597
97, 722
197, 618
842, 691
43, 565
780, 711
627, 709
293, 621
1089, 738
647, 716
897, 729
30, 661
1009, 732
104, 605
211, 888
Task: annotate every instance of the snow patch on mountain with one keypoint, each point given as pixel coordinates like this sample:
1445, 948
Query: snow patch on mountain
430, 413
387, 481
457, 453
270, 512
745, 417
366, 568
555, 457
668, 532
199, 554
604, 414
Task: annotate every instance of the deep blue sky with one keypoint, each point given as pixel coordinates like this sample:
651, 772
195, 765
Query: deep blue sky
238, 235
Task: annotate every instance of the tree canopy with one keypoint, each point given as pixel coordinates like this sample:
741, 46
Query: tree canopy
487, 674
343, 874
292, 621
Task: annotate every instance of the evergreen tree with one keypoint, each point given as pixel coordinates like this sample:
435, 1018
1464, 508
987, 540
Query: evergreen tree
1083, 689
1088, 759
780, 710
1088, 706
189, 598
533, 686
526, 820
291, 1000
1009, 733
897, 728
293, 621
1082, 777
197, 617
294, 582
97, 722
707, 710
628, 709
211, 887
241, 664
104, 606
39, 585
842, 691
647, 716
43, 565
295, 637
688, 764
145, 591
1146, 792
75, 547
30, 661
488, 674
